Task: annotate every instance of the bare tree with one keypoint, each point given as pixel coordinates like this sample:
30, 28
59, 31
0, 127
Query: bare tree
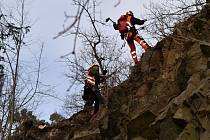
19, 86
78, 16
118, 3
76, 20
73, 104
97, 47
164, 15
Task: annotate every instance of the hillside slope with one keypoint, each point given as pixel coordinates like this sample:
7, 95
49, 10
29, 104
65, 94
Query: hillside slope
165, 98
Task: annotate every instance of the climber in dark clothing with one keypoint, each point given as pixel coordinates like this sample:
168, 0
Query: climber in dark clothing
127, 30
91, 90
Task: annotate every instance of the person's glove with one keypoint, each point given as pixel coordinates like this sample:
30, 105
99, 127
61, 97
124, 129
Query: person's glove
142, 28
104, 72
129, 28
122, 35
144, 20
132, 29
115, 26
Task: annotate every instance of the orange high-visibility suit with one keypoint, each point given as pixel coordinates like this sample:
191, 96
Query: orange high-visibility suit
131, 34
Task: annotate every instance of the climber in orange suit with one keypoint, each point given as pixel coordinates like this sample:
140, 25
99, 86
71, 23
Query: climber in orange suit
128, 31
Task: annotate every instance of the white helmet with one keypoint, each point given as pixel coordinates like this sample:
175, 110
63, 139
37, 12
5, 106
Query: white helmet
129, 13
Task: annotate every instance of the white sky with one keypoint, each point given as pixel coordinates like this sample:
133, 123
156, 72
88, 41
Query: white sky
47, 17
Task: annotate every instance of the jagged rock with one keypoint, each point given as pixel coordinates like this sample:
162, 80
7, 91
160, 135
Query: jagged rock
87, 135
169, 130
166, 96
138, 138
143, 90
190, 132
206, 134
137, 126
208, 65
183, 113
197, 62
205, 48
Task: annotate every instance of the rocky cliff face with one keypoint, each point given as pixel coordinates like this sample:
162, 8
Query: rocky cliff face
167, 96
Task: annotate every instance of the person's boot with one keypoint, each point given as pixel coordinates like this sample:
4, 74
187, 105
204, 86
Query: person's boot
135, 60
147, 48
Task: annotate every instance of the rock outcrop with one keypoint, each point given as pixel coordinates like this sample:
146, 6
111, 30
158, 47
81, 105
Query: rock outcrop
167, 96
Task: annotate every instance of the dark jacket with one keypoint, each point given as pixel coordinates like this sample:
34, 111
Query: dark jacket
134, 21
137, 21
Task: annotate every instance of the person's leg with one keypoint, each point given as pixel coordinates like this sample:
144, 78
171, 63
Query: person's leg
99, 100
133, 51
88, 97
132, 47
141, 41
96, 100
90, 101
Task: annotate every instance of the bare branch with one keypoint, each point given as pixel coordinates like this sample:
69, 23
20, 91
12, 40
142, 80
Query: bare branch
118, 3
77, 19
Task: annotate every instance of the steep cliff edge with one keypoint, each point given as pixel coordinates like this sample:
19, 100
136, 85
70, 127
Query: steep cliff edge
167, 96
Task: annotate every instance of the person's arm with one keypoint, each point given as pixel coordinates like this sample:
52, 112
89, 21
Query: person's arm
103, 76
138, 21
115, 26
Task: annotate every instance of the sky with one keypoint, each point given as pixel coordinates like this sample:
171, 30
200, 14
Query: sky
47, 19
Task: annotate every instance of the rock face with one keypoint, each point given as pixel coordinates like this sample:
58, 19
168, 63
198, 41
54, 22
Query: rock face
167, 96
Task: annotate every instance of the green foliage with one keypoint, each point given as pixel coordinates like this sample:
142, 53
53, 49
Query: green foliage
56, 117
24, 120
24, 115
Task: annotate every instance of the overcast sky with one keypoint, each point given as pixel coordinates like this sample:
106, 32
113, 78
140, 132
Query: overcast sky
47, 18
